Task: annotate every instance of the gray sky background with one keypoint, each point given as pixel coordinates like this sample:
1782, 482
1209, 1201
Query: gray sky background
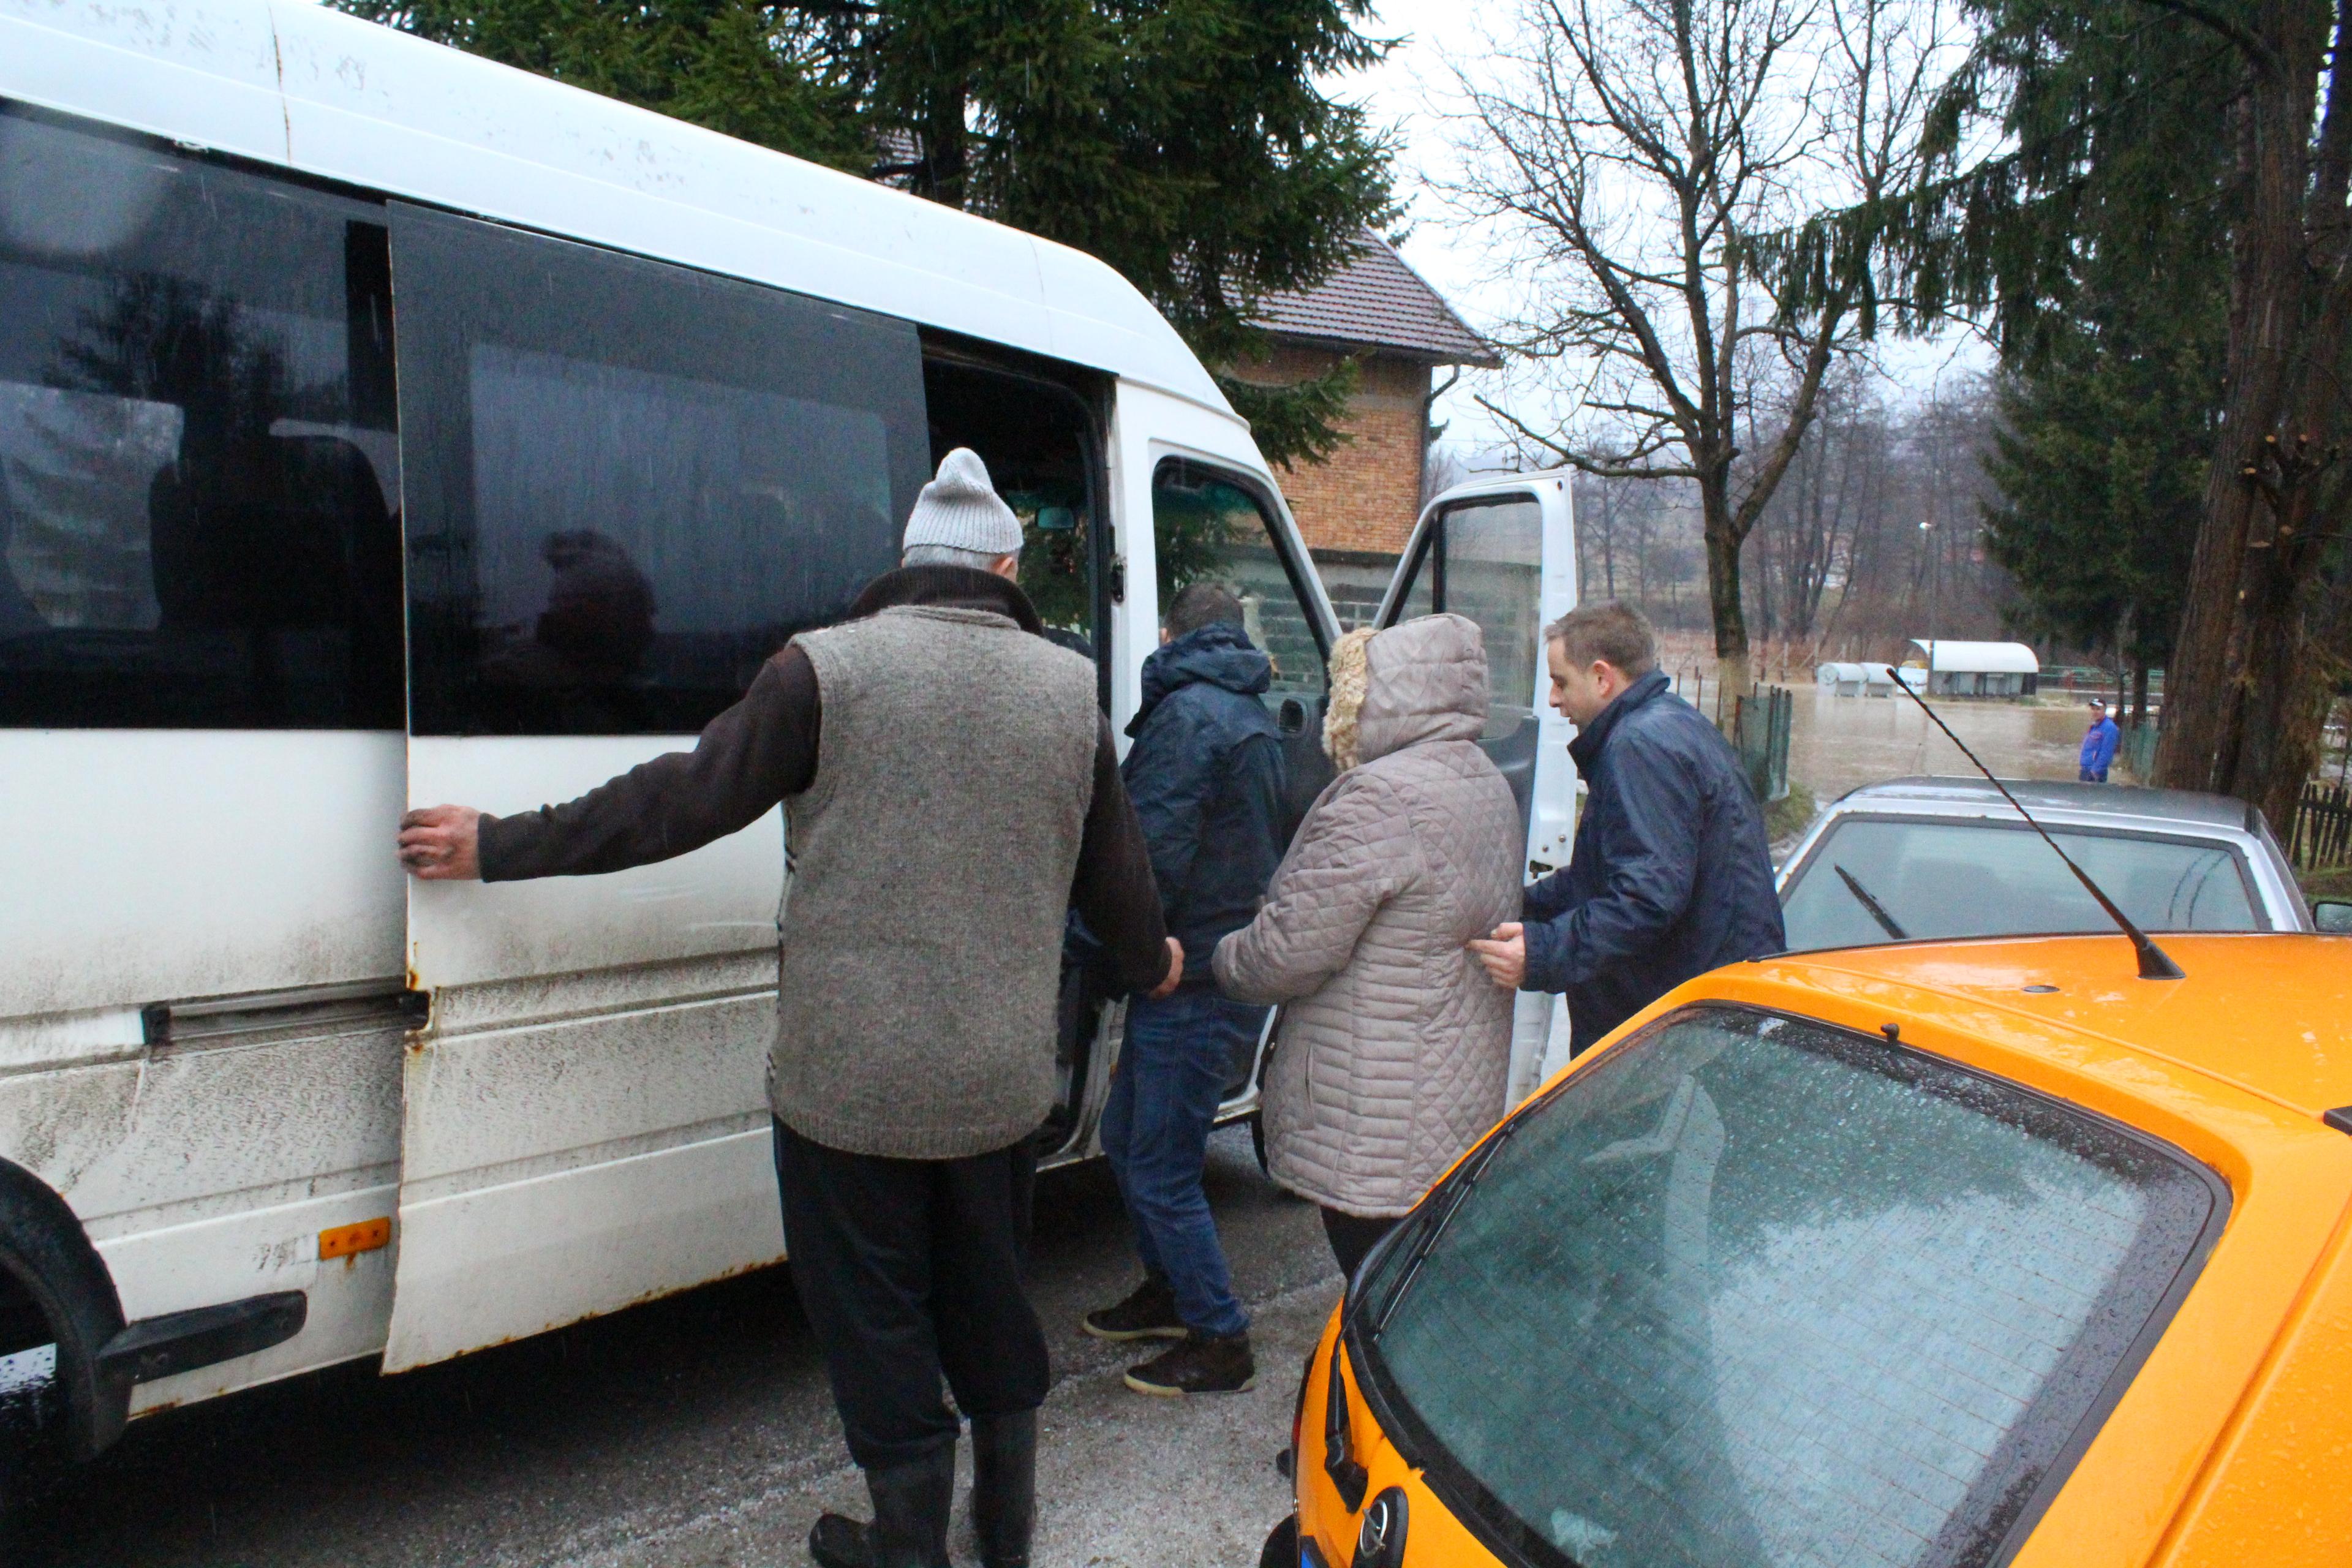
1410, 92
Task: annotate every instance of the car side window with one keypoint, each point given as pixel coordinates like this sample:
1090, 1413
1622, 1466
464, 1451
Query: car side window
200, 481
631, 482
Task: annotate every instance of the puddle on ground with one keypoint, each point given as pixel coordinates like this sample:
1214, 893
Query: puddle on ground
28, 1394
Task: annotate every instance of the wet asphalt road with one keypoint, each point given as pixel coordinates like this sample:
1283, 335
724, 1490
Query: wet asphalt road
699, 1431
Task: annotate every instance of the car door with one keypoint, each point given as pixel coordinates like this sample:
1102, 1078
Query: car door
1503, 553
627, 484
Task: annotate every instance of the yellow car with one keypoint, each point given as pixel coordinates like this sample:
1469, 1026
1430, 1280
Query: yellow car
1970, 1253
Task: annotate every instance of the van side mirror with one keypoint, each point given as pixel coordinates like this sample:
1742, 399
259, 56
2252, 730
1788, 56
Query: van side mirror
1291, 720
2333, 916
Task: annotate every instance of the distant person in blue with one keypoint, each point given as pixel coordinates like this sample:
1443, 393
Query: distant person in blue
1671, 875
2099, 743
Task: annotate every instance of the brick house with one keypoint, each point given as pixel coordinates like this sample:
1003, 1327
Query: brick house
1357, 508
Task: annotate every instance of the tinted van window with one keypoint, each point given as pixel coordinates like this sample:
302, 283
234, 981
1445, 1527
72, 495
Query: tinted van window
199, 474
1751, 1290
630, 482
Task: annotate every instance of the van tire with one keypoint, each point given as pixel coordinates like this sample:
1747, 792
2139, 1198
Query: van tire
49, 1263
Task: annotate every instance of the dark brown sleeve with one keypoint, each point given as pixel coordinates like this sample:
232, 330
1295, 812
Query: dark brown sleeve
1114, 892
751, 757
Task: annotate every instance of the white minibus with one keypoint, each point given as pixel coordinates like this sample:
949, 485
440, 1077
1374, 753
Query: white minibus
378, 426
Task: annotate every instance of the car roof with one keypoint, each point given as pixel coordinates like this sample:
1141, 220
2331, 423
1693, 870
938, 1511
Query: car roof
2188, 807
2269, 1012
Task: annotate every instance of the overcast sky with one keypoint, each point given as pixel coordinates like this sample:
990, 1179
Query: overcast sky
1410, 92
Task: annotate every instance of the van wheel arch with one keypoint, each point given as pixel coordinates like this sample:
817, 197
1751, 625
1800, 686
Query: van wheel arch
46, 1259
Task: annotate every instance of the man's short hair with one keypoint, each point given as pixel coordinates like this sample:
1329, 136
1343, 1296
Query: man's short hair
1198, 605
949, 555
1609, 633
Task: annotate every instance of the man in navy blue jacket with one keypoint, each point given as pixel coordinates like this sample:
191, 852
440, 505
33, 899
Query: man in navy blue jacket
1206, 777
1670, 876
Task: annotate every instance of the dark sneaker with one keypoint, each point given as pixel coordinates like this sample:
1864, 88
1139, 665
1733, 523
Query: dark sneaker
1147, 1313
1203, 1363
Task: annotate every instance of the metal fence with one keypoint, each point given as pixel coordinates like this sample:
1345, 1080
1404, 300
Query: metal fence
2322, 832
1760, 731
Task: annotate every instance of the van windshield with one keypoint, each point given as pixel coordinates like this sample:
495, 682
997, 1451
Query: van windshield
1754, 1290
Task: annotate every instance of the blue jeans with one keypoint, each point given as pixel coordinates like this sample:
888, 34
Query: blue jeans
1170, 1078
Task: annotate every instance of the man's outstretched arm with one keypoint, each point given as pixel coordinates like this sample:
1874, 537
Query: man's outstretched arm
749, 758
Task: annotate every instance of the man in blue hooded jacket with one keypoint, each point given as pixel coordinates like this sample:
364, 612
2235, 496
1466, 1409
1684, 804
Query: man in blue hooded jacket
1671, 875
2099, 743
1206, 777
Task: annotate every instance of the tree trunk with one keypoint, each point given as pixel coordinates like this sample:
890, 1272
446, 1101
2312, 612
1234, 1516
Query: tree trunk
940, 177
1731, 661
2244, 692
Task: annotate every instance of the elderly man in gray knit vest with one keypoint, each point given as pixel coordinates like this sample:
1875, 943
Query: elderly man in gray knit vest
951, 789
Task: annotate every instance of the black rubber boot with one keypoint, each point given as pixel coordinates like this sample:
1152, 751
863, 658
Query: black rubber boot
1004, 1487
911, 1504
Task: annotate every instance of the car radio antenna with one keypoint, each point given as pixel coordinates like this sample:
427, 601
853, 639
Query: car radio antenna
2155, 963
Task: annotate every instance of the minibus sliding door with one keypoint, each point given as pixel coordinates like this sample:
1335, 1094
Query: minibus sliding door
628, 484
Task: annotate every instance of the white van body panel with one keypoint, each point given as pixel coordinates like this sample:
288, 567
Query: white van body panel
292, 847
333, 96
204, 1173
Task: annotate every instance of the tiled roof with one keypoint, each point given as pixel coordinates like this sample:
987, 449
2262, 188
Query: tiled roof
1377, 300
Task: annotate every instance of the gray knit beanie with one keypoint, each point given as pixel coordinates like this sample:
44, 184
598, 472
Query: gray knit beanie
961, 510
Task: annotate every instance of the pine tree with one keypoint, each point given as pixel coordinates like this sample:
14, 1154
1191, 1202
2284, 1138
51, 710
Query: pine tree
2101, 467
2130, 132
1188, 143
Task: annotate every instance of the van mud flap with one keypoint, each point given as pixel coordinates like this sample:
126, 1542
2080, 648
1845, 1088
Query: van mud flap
155, 1348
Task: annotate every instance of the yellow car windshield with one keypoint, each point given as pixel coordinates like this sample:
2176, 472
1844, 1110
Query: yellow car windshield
1753, 1290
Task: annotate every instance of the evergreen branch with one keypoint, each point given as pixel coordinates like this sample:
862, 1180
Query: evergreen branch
2256, 49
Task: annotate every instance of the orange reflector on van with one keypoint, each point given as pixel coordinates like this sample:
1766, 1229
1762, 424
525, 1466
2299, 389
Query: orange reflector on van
346, 1240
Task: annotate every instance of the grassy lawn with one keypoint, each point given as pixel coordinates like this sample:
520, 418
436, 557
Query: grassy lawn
1788, 817
2335, 882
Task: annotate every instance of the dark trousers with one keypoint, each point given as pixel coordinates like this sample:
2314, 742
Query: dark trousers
911, 1271
1352, 1237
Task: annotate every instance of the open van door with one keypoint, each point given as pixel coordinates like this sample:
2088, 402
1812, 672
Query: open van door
1502, 552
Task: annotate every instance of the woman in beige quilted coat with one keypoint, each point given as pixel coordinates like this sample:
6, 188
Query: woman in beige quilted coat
1395, 1047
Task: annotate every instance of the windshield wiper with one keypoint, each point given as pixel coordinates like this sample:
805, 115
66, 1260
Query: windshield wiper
1877, 911
1432, 1224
